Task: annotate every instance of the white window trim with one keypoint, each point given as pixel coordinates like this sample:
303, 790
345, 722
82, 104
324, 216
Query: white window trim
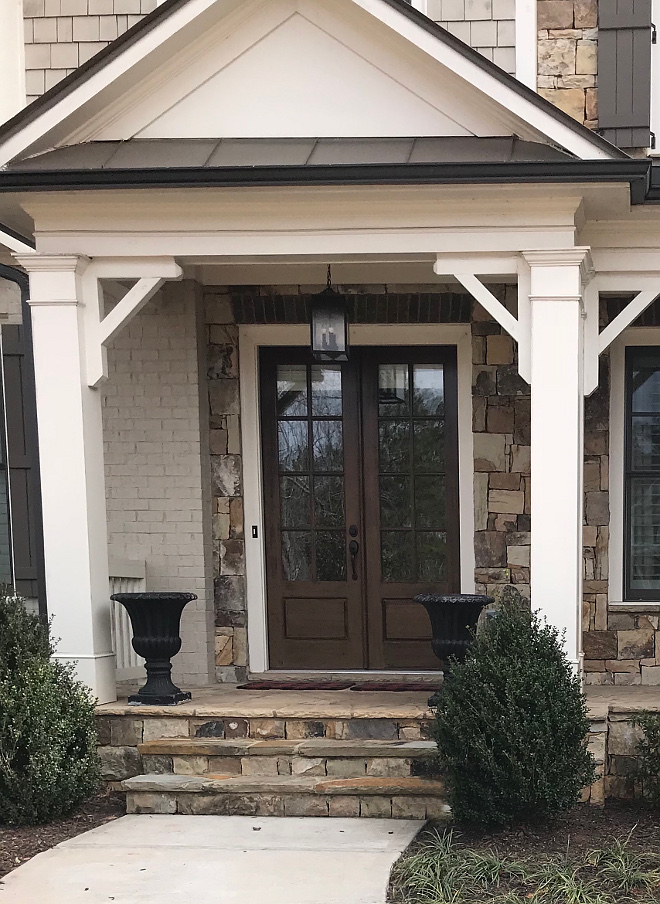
251, 338
633, 336
526, 38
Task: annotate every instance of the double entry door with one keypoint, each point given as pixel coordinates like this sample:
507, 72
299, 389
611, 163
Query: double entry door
361, 504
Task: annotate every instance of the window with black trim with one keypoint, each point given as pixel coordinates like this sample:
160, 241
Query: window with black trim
642, 474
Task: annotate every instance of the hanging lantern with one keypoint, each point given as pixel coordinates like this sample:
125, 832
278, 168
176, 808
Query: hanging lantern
329, 325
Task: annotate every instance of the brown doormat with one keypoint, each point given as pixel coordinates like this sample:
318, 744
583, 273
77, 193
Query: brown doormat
311, 685
397, 687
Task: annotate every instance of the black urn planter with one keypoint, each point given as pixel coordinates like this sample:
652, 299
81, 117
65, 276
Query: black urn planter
454, 619
155, 620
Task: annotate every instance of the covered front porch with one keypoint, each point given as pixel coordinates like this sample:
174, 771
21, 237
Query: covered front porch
156, 356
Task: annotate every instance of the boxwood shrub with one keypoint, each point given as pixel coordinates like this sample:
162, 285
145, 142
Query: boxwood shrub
48, 762
512, 723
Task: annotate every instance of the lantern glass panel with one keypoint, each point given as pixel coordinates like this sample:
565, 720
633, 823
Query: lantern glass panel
329, 328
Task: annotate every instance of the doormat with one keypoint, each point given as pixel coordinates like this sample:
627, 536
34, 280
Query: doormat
397, 687
320, 685
311, 685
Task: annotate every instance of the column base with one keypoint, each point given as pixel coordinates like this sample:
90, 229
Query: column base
97, 670
160, 699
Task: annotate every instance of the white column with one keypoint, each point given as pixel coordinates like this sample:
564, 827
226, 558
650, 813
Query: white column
72, 475
557, 426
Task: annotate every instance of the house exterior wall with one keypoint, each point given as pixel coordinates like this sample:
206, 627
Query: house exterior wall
567, 57
61, 35
486, 25
156, 470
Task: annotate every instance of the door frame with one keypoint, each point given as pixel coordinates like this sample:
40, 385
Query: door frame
251, 338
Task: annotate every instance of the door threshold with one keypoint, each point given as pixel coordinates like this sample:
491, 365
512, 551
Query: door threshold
365, 675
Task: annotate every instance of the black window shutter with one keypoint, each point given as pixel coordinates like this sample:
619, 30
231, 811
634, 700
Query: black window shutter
624, 72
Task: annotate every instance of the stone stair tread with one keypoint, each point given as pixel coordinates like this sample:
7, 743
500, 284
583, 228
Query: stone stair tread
283, 784
313, 747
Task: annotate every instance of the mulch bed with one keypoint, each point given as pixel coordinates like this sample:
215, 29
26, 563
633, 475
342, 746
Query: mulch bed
583, 829
18, 844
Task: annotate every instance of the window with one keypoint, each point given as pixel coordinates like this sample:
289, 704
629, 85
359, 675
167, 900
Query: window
642, 474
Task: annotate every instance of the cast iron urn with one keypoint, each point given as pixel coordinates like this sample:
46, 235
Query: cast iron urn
454, 619
155, 620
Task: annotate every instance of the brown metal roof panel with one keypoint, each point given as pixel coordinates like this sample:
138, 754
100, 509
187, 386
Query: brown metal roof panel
262, 152
350, 151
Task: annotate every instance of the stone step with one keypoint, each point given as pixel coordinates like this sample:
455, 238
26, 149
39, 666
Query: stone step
313, 757
403, 797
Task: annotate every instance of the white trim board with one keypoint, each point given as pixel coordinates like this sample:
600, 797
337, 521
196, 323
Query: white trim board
632, 336
251, 338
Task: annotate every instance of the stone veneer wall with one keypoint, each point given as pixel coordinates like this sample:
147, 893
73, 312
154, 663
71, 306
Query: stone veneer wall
226, 489
156, 462
567, 57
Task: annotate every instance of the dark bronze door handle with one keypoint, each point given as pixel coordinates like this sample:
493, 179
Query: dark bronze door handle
353, 548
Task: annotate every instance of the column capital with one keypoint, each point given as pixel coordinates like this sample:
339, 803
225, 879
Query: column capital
563, 257
53, 263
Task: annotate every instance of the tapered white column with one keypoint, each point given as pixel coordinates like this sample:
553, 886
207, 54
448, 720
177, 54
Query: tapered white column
557, 425
72, 475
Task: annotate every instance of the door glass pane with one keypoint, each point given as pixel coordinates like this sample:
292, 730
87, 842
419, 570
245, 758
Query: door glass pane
330, 556
432, 556
411, 442
430, 502
644, 565
297, 555
291, 390
646, 382
395, 502
394, 444
292, 439
329, 501
326, 390
397, 554
429, 438
393, 390
294, 501
328, 445
428, 389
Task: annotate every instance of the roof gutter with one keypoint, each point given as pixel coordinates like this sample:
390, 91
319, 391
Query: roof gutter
637, 172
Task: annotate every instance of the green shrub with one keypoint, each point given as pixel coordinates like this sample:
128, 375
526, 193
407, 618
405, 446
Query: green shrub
48, 762
22, 635
648, 769
511, 725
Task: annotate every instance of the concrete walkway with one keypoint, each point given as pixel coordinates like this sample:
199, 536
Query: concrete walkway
216, 860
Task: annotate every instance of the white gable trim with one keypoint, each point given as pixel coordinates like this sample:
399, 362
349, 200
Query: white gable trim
34, 135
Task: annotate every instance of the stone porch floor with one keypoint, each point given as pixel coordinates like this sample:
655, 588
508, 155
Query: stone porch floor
226, 700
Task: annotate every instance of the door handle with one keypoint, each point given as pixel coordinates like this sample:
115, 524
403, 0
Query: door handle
353, 548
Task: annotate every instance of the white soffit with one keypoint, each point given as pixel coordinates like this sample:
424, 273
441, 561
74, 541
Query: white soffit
291, 68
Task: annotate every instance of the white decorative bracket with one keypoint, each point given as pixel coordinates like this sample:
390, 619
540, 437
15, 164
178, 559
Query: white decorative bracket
150, 273
596, 342
465, 270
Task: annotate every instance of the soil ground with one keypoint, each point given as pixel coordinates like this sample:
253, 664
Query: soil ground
18, 844
584, 828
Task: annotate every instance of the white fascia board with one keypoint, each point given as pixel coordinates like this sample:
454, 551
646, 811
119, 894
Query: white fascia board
501, 93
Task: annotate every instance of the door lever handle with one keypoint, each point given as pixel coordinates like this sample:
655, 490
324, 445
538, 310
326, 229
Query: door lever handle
353, 548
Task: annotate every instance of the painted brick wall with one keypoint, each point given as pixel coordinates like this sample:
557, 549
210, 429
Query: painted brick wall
156, 456
61, 35
486, 25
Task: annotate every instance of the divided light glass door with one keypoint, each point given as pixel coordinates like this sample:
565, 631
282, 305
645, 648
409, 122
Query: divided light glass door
360, 502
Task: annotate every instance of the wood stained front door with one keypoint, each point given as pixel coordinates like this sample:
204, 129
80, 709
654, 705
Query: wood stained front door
361, 504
